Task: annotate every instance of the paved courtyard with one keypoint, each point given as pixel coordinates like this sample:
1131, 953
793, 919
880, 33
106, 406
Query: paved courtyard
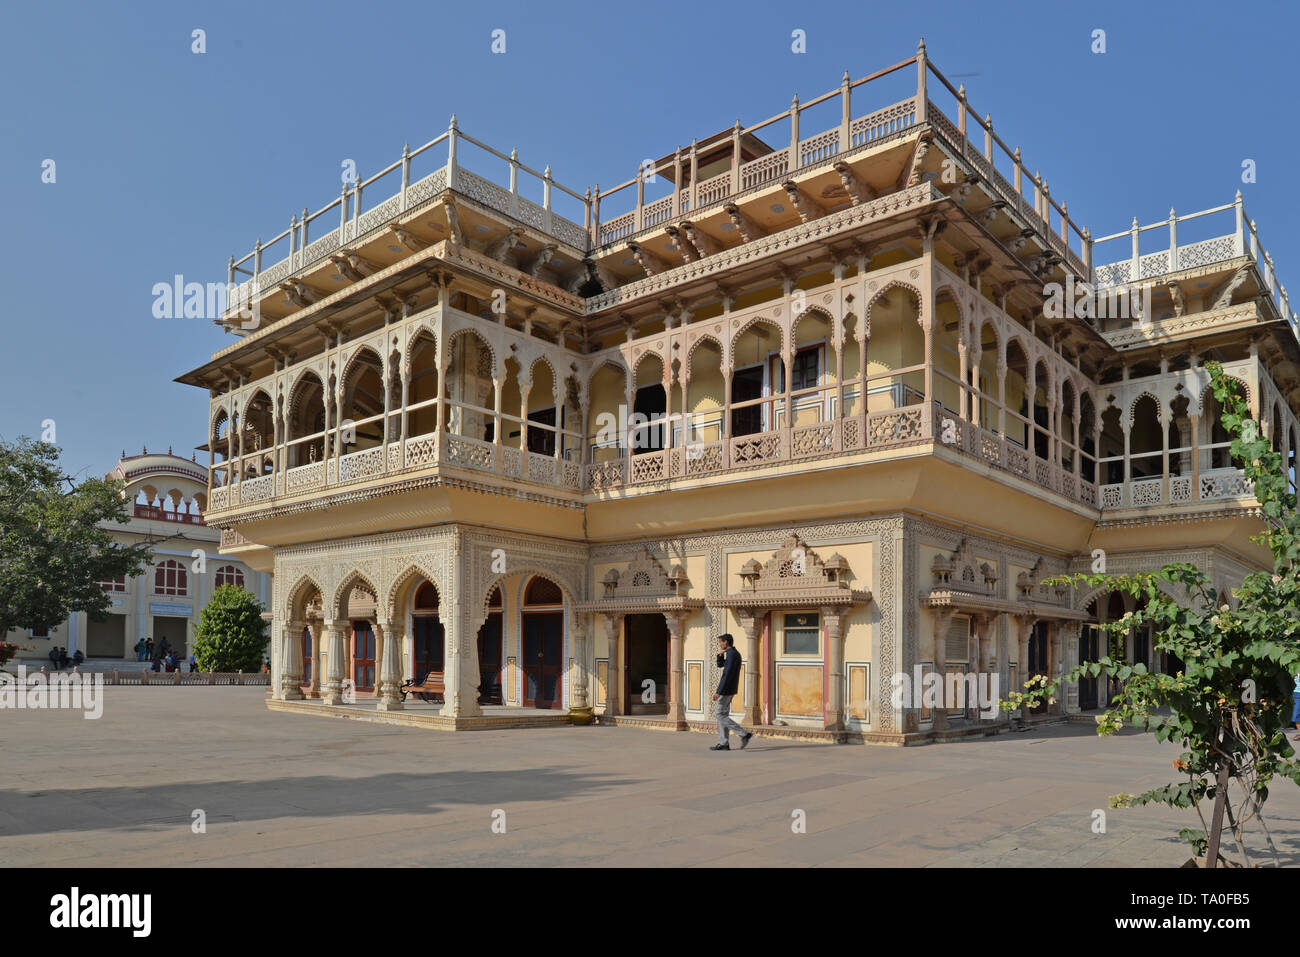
280, 789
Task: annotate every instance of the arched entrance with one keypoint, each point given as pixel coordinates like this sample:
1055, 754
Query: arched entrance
428, 652
489, 651
647, 689
542, 646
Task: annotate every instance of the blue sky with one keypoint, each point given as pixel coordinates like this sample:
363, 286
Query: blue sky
169, 162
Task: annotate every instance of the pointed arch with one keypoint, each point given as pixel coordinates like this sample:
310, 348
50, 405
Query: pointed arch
353, 579
395, 602
301, 588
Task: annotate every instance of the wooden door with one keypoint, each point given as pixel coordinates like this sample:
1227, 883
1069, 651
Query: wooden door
542, 659
363, 660
489, 660
428, 653
1038, 663
306, 657
1089, 650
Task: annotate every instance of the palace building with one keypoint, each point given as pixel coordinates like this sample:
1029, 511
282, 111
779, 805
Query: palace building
166, 495
850, 384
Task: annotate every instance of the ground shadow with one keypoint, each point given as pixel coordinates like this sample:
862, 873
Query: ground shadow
167, 805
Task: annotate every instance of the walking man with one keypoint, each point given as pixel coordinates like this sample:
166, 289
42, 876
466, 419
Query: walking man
728, 685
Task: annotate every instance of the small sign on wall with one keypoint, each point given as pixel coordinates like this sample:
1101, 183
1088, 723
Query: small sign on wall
174, 608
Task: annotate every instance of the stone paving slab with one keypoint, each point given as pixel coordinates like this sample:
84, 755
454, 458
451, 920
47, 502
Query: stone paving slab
277, 791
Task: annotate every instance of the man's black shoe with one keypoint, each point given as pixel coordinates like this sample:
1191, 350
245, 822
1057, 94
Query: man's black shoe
744, 742
720, 747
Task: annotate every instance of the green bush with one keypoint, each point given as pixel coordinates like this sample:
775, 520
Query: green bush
231, 635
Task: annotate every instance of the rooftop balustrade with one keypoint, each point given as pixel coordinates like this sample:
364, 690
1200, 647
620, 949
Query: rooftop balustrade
402, 188
1239, 238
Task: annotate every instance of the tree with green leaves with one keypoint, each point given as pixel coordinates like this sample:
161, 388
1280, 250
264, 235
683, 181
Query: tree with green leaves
1230, 706
54, 549
231, 635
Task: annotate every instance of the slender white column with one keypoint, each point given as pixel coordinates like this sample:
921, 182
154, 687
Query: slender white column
333, 691
390, 682
291, 661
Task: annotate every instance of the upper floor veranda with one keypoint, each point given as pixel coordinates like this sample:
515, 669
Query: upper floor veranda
872, 292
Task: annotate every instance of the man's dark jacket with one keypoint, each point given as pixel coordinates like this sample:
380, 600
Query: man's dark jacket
729, 684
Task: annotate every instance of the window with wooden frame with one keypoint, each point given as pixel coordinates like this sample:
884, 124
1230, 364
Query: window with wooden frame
170, 578
801, 634
230, 575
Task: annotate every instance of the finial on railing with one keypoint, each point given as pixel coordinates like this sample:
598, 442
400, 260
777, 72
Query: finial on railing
452, 125
1171, 213
961, 91
1135, 222
546, 173
920, 47
845, 78
794, 103
406, 151
514, 155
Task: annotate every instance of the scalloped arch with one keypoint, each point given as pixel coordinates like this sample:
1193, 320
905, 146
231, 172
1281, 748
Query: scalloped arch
298, 589
351, 580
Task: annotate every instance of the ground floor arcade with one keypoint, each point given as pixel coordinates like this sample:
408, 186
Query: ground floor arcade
827, 617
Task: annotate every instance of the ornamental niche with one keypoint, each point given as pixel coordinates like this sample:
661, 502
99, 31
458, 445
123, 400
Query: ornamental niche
958, 572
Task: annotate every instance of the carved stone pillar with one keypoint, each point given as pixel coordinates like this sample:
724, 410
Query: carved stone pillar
611, 623
580, 712
942, 618
1070, 648
290, 688
676, 706
337, 659
834, 711
461, 675
1024, 626
749, 621
389, 635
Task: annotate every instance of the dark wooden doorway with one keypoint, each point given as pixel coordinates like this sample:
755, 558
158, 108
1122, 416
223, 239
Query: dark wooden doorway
747, 384
1038, 662
542, 648
489, 652
1090, 645
427, 652
646, 654
363, 656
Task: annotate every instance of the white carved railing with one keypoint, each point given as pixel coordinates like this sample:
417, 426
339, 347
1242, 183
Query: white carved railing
764, 169
364, 464
1214, 485
541, 468
1225, 483
819, 148
470, 453
512, 462
603, 475
876, 126
756, 449
304, 478
219, 497
649, 467
260, 489
421, 451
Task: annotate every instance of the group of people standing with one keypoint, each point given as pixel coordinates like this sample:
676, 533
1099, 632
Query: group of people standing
163, 656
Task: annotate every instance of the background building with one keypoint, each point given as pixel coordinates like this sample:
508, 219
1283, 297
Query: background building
869, 437
167, 496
